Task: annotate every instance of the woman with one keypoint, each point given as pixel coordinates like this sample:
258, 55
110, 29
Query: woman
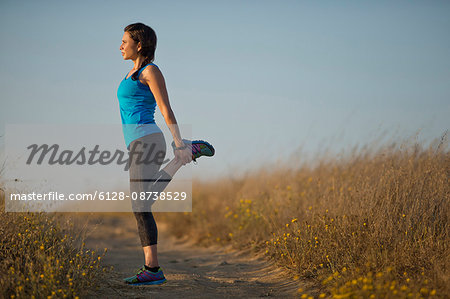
139, 92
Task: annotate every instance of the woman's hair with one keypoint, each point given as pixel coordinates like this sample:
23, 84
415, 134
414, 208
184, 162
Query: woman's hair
147, 37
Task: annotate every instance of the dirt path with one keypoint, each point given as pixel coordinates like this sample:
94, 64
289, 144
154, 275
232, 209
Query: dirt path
191, 271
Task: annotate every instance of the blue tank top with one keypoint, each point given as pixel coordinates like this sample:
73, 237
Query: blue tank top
137, 108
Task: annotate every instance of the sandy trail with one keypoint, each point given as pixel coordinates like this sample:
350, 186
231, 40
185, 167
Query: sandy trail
191, 271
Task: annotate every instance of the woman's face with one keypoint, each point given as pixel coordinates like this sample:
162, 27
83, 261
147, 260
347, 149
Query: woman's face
129, 47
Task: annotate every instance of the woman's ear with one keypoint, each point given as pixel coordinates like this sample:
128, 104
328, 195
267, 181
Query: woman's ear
139, 47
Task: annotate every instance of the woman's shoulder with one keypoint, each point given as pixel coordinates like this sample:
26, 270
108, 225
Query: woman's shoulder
151, 72
151, 64
150, 67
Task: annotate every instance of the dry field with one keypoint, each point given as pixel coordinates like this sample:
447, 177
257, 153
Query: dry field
43, 256
371, 225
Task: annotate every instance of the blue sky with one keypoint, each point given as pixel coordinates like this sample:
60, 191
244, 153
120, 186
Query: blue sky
258, 79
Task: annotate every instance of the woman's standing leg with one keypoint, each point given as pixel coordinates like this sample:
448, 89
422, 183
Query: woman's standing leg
148, 233
147, 228
141, 180
147, 178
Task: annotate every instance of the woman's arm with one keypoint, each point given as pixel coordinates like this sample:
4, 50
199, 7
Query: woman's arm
153, 77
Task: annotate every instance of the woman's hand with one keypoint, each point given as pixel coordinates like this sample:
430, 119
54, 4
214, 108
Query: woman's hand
184, 155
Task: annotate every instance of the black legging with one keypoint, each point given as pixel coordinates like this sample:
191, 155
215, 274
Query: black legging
145, 176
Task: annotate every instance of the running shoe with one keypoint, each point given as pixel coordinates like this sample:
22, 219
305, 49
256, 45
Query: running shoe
199, 148
143, 277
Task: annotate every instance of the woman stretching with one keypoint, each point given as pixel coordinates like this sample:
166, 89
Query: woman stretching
139, 92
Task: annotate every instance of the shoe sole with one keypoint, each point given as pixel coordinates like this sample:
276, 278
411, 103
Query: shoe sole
149, 282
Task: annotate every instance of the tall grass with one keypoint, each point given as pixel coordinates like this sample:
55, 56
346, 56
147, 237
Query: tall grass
372, 225
42, 256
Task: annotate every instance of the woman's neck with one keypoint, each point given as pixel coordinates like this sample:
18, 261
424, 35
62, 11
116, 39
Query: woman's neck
138, 62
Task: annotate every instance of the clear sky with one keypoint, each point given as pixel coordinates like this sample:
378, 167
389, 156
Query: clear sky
258, 79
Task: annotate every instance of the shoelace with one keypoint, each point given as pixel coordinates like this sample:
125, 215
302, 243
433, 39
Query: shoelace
197, 148
140, 270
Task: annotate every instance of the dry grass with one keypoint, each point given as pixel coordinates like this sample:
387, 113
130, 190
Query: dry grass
373, 224
42, 256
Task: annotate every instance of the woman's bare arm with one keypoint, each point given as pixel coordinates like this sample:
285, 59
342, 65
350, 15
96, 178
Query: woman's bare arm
153, 77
